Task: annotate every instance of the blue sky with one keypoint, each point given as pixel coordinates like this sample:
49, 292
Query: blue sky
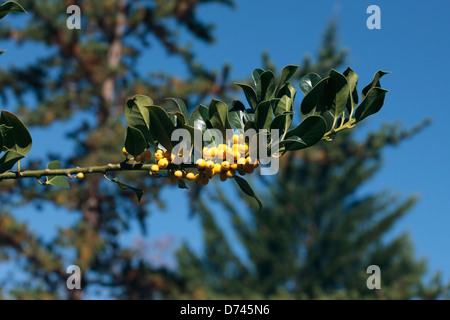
413, 43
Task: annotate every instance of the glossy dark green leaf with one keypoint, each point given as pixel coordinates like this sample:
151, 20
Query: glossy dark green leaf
15, 135
283, 105
236, 105
352, 79
374, 83
139, 193
199, 118
256, 74
181, 107
135, 142
245, 187
250, 124
177, 118
266, 85
9, 159
337, 93
57, 181
371, 104
263, 115
218, 116
314, 102
236, 119
138, 116
250, 95
310, 130
9, 7
286, 90
286, 74
282, 122
161, 126
308, 82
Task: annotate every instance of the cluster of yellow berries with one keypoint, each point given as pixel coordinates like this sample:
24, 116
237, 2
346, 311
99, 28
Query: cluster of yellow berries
223, 161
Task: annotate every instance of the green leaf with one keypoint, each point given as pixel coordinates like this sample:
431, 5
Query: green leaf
9, 7
218, 116
181, 106
287, 90
371, 104
374, 83
138, 116
283, 105
286, 74
308, 82
236, 119
337, 93
161, 127
266, 85
182, 184
198, 119
250, 95
256, 75
314, 101
310, 131
352, 79
135, 142
245, 187
282, 122
263, 115
9, 159
57, 181
16, 137
139, 193
177, 118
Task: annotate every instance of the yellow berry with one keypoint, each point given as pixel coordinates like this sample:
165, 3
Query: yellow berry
147, 155
230, 174
163, 163
241, 163
217, 168
159, 155
213, 152
197, 178
235, 138
210, 164
80, 175
154, 168
125, 152
236, 155
190, 176
200, 164
225, 166
234, 166
178, 174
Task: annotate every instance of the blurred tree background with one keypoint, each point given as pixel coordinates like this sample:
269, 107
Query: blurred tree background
315, 237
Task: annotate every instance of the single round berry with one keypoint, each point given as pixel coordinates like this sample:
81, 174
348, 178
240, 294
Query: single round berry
190, 176
233, 166
154, 168
235, 138
159, 155
217, 168
225, 166
178, 173
210, 164
230, 174
163, 163
80, 176
201, 164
